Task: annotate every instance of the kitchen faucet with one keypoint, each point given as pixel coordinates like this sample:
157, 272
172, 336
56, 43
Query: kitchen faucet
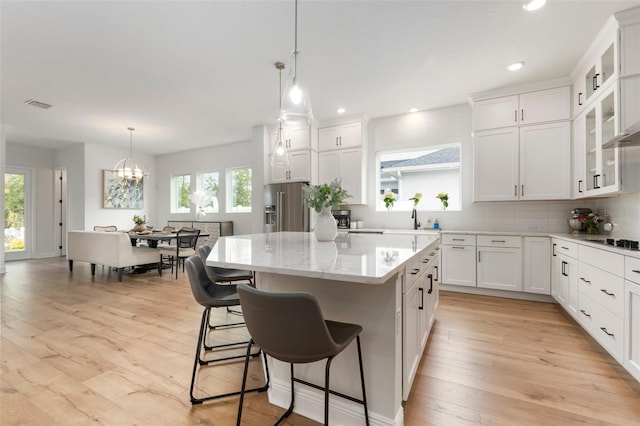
414, 216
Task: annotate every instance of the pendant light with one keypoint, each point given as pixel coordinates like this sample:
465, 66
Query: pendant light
129, 168
296, 105
280, 155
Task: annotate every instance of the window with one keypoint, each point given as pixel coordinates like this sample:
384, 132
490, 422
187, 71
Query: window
239, 190
180, 191
208, 184
430, 171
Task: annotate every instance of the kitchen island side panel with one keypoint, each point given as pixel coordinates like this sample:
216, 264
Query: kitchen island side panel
377, 308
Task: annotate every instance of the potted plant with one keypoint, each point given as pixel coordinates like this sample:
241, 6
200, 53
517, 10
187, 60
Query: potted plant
140, 222
444, 198
389, 199
322, 198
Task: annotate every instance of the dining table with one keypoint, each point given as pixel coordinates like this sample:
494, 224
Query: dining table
153, 238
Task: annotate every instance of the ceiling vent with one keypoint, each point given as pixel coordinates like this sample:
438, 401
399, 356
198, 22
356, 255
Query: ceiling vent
37, 104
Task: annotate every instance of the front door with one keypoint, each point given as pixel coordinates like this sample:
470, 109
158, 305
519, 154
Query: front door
17, 214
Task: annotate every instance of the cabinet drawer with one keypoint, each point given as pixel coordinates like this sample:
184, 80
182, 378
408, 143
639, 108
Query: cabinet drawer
412, 273
632, 269
459, 240
565, 247
605, 260
499, 241
603, 326
602, 287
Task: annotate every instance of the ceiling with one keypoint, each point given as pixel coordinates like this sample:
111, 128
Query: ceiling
190, 74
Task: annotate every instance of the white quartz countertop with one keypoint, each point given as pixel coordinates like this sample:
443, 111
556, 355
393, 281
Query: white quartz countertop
361, 258
596, 241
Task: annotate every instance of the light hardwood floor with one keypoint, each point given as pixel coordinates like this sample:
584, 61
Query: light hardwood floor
79, 351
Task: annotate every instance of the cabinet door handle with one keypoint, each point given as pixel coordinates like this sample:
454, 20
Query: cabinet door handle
595, 80
522, 115
564, 272
604, 330
553, 250
430, 284
415, 271
336, 141
421, 290
522, 191
515, 115
580, 185
580, 98
340, 140
584, 313
478, 256
585, 280
604, 290
437, 273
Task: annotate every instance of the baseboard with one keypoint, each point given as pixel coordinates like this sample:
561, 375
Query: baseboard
310, 403
44, 255
498, 293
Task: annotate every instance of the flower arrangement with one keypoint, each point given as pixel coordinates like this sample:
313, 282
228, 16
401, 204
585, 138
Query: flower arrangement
389, 199
591, 221
444, 198
139, 220
416, 199
331, 195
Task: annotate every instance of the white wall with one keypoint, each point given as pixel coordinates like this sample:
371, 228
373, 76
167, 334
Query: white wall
216, 158
71, 158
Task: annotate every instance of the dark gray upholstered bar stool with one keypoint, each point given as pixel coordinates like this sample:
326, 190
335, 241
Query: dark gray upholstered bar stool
290, 327
211, 295
223, 275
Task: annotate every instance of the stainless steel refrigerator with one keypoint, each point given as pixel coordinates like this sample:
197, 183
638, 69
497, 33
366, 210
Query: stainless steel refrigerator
284, 208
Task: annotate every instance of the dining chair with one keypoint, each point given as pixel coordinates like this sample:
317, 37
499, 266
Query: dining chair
211, 295
186, 242
291, 328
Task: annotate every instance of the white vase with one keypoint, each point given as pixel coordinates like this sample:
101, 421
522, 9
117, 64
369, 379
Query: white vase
326, 227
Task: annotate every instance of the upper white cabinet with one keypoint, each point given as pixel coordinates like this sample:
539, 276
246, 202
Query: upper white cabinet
523, 163
527, 108
301, 167
629, 71
341, 136
293, 138
343, 156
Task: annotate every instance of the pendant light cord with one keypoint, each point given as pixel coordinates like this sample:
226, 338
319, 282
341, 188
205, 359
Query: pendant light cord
295, 44
131, 129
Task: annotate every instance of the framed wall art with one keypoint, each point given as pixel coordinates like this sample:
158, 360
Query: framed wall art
120, 193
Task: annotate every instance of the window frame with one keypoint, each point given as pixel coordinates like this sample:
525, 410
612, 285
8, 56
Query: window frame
175, 208
229, 198
200, 176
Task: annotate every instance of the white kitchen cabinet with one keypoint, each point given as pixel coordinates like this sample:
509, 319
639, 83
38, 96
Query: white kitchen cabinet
565, 276
537, 265
293, 138
525, 163
545, 156
410, 338
578, 188
459, 260
629, 78
495, 165
341, 136
631, 356
301, 167
597, 69
499, 262
527, 108
348, 166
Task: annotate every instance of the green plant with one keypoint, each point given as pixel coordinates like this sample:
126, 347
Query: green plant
416, 199
444, 198
319, 196
389, 199
140, 220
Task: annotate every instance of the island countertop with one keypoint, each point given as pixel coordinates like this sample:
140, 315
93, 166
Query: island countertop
362, 258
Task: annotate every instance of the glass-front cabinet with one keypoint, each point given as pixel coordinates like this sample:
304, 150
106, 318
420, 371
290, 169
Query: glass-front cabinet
601, 166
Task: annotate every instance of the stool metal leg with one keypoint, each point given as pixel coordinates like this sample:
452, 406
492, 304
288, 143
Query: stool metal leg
243, 389
293, 399
326, 390
364, 394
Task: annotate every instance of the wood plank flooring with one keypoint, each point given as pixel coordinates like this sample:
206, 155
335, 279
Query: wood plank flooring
77, 350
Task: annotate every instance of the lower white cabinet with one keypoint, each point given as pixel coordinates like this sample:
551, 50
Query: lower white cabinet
537, 265
459, 265
564, 279
631, 356
499, 262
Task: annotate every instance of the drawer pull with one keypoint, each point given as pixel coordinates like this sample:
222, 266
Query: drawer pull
457, 248
564, 248
585, 280
415, 271
457, 239
637, 271
604, 330
607, 293
498, 241
584, 313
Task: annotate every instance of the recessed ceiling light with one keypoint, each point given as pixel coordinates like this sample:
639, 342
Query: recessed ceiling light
413, 109
341, 110
515, 66
534, 5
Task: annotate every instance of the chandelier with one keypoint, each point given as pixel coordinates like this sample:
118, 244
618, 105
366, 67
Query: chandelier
129, 168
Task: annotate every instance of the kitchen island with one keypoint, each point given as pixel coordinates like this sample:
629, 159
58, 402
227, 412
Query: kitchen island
357, 279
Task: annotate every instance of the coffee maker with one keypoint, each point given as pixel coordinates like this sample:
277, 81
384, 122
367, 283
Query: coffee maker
343, 218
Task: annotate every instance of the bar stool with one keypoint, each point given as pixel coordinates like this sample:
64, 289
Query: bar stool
211, 295
290, 327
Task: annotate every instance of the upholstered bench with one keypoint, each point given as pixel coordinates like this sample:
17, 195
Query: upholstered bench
109, 249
